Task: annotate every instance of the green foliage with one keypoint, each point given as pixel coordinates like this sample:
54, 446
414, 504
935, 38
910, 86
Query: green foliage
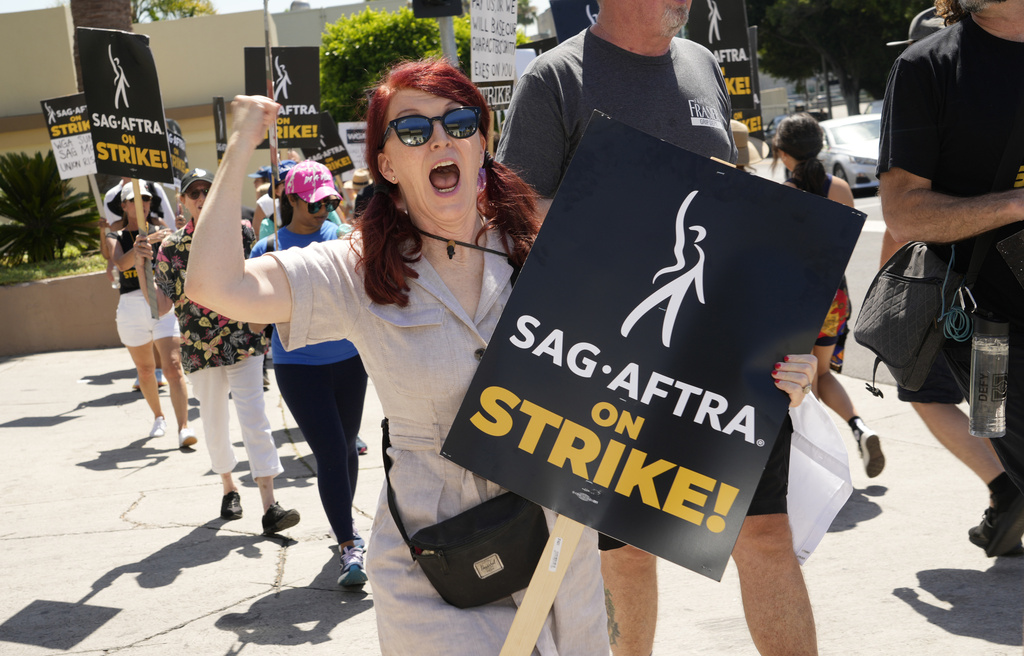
357, 50
72, 263
525, 13
154, 10
794, 35
44, 214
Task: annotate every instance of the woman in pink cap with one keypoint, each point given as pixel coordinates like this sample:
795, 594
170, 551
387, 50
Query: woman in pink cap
323, 384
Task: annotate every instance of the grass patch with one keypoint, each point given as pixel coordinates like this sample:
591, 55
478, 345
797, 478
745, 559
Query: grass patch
73, 263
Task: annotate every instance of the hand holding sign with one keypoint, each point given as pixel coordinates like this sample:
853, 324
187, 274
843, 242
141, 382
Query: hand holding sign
794, 375
253, 116
648, 411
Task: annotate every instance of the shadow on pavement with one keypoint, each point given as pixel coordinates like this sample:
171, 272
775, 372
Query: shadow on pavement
859, 508
984, 605
109, 378
201, 546
55, 624
134, 452
297, 616
115, 399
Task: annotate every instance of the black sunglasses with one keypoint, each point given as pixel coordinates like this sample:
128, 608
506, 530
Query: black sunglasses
330, 203
415, 130
194, 194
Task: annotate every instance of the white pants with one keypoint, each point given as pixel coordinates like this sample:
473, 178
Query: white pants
244, 381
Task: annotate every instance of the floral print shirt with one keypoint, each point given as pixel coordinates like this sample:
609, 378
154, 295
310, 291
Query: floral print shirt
208, 339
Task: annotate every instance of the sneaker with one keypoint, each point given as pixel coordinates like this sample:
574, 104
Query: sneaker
277, 519
356, 538
231, 506
360, 446
160, 380
1000, 530
870, 447
159, 427
135, 385
352, 574
186, 437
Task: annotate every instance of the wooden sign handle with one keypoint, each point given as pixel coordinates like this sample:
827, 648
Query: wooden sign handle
146, 275
547, 578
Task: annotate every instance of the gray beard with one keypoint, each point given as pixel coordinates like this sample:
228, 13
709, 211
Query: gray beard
974, 6
674, 18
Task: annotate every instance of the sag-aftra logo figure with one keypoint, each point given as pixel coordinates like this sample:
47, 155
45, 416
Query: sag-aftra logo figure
674, 291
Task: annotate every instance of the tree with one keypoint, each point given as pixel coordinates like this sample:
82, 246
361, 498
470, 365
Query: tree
45, 215
154, 10
794, 36
526, 13
108, 14
358, 49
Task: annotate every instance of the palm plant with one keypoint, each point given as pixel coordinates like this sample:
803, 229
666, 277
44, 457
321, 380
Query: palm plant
43, 212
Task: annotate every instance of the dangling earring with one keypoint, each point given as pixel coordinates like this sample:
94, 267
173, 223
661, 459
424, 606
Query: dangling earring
481, 180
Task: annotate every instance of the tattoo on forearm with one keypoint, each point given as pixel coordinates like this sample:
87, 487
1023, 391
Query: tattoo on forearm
613, 625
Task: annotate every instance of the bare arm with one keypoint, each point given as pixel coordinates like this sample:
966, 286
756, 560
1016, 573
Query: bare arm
914, 212
122, 260
219, 276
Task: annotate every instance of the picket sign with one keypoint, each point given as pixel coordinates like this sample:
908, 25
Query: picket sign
540, 594
146, 274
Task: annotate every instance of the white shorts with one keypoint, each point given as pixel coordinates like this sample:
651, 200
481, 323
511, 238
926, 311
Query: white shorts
136, 325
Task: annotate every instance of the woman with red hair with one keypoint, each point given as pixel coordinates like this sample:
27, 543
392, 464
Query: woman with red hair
418, 288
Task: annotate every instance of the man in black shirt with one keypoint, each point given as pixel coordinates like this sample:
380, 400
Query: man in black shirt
950, 108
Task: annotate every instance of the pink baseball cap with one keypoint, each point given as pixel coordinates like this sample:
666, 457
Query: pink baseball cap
311, 181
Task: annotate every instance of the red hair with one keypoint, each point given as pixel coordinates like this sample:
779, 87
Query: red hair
387, 242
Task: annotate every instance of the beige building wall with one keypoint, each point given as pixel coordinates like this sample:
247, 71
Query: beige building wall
197, 59
36, 48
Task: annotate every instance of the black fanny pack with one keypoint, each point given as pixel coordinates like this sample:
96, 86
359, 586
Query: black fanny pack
478, 556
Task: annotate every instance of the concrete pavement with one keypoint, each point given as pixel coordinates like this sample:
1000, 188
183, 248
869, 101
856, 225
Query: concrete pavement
112, 541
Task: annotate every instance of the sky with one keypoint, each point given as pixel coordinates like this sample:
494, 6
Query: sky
223, 6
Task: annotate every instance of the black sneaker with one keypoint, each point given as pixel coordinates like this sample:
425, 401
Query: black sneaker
231, 506
277, 519
1000, 530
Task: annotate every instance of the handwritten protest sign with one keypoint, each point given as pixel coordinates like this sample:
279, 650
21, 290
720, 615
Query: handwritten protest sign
493, 49
628, 383
127, 113
296, 72
67, 121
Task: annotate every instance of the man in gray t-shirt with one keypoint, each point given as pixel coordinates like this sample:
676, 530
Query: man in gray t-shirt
678, 96
629, 66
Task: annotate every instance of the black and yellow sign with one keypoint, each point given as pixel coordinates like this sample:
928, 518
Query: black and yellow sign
220, 127
573, 16
721, 27
179, 158
296, 82
331, 151
67, 121
628, 383
126, 111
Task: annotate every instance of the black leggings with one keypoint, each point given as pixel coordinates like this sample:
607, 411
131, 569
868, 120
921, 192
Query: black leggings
327, 403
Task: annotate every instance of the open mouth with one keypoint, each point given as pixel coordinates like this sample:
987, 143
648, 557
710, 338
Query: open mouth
444, 177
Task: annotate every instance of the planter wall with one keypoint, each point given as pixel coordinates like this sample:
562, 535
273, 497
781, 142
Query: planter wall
60, 314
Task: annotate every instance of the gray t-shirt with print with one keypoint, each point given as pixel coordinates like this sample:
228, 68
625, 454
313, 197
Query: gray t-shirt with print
679, 97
